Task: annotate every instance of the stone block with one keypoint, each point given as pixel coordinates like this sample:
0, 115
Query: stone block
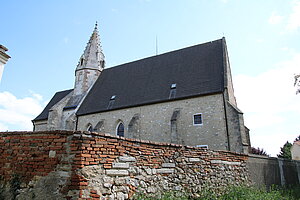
165, 171
115, 172
168, 165
120, 165
224, 162
127, 159
52, 154
194, 159
107, 185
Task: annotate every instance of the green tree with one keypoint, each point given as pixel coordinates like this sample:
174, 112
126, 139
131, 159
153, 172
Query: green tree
285, 151
297, 139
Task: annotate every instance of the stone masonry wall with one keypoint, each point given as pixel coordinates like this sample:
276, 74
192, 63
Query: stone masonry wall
83, 165
155, 121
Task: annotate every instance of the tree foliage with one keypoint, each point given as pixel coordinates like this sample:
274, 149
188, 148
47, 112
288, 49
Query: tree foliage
285, 151
297, 83
259, 151
297, 139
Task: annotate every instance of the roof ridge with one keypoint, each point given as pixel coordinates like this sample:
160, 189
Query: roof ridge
169, 52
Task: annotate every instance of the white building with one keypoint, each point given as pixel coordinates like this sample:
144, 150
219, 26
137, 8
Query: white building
3, 59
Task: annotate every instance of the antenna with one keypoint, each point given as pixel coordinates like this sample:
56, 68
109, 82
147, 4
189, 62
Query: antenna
156, 45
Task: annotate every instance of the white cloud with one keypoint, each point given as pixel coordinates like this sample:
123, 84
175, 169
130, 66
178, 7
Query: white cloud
294, 19
16, 114
270, 105
275, 19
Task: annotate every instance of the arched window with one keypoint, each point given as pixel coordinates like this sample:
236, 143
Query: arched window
120, 129
89, 128
99, 126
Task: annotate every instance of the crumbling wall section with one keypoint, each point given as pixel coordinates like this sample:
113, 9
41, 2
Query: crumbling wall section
115, 168
83, 165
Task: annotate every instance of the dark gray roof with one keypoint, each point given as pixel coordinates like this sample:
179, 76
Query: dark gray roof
196, 70
55, 99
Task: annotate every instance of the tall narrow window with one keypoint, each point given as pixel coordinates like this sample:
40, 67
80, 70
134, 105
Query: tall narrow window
120, 130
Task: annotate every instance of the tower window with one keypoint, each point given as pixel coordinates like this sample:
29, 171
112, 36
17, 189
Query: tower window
197, 119
81, 61
120, 129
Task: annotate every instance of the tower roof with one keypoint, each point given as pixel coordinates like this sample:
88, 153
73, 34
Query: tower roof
92, 57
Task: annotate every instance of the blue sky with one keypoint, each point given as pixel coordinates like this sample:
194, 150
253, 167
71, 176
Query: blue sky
46, 38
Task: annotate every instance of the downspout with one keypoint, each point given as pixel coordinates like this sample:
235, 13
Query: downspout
76, 123
226, 121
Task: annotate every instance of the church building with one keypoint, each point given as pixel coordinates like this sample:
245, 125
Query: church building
184, 97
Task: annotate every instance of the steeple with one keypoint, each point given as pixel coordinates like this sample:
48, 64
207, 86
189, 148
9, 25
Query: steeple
92, 57
90, 65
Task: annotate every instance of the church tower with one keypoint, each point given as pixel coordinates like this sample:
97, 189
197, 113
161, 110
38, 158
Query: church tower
90, 65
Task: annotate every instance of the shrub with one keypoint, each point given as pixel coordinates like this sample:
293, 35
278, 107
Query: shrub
232, 193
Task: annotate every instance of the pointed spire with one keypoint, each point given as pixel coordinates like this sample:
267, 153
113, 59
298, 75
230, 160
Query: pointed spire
92, 57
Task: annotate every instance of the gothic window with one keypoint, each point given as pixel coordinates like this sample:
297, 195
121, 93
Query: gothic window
120, 129
99, 126
81, 61
197, 119
89, 128
133, 127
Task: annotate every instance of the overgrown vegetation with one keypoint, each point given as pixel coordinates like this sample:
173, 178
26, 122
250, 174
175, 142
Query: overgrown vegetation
259, 151
233, 193
15, 183
285, 151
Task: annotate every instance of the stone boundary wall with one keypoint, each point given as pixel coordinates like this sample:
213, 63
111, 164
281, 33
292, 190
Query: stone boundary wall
83, 165
268, 171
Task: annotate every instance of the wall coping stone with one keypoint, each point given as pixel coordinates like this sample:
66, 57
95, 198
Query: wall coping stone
85, 134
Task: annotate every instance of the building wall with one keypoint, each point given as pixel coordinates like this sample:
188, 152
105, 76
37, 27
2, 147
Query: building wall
84, 79
1, 70
154, 122
41, 125
295, 151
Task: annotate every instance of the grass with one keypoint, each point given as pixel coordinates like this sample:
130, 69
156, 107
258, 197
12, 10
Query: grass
233, 193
